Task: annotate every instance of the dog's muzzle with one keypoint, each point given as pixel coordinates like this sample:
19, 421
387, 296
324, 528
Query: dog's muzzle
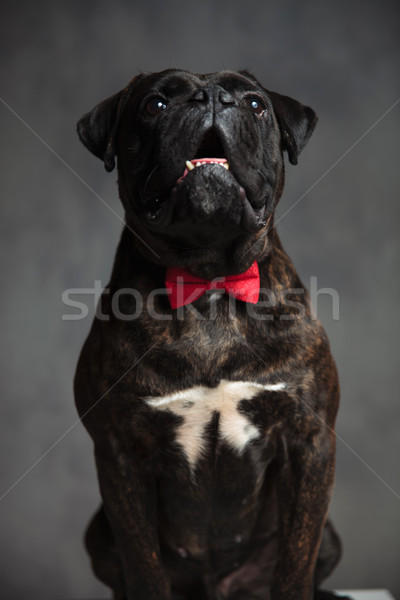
205, 205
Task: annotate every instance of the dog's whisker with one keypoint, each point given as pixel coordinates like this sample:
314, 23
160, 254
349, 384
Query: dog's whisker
148, 178
262, 175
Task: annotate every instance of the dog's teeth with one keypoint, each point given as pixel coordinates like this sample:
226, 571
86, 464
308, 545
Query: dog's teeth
190, 165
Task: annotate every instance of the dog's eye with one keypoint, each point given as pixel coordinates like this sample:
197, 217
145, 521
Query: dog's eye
156, 105
255, 104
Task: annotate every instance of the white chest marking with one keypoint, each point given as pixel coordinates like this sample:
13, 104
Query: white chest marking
196, 406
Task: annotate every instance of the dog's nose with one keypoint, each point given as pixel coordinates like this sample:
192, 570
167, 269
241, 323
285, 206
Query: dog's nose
200, 95
213, 95
225, 97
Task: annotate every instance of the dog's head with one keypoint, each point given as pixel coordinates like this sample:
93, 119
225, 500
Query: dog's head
200, 163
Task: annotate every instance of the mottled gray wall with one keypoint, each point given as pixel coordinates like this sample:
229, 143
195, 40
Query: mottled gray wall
58, 59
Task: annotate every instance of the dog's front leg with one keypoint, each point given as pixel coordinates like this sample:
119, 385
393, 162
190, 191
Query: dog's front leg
304, 491
129, 497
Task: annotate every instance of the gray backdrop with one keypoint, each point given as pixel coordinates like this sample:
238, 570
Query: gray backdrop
58, 60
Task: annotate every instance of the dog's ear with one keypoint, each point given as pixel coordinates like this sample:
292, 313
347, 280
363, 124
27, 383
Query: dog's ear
97, 129
296, 123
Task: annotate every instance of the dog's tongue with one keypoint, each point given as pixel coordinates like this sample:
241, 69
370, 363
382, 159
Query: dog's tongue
199, 162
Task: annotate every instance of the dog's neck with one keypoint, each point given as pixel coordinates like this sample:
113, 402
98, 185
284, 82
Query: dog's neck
133, 259
206, 262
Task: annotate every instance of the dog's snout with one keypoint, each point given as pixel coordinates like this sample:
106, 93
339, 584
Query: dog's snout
214, 95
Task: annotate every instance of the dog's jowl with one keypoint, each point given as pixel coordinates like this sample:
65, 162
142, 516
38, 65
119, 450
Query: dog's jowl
210, 394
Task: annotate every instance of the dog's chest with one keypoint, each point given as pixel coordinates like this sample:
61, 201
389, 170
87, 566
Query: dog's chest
196, 407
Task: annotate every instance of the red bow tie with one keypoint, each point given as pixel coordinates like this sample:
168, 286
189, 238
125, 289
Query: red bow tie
185, 288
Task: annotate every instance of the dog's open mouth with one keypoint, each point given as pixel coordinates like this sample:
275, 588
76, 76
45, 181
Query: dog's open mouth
209, 153
154, 205
199, 162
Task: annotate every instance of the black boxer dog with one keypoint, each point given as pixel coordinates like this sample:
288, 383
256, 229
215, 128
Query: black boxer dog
206, 382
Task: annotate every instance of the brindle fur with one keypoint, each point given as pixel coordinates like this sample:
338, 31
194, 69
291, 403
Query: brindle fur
241, 527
